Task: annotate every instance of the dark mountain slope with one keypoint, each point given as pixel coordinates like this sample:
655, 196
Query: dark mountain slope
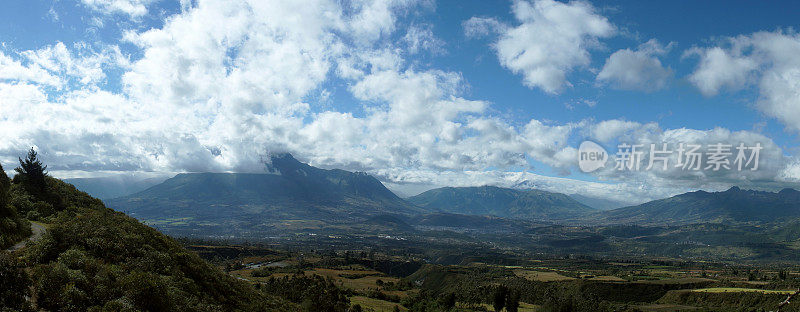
242, 202
733, 205
500, 202
599, 203
113, 187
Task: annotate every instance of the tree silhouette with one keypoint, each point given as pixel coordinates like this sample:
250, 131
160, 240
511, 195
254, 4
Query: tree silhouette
32, 171
5, 183
499, 300
512, 302
448, 302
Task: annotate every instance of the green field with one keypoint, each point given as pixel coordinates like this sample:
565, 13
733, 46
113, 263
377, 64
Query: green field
740, 290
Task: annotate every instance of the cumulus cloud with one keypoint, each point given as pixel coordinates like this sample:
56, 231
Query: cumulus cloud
636, 70
373, 19
720, 69
608, 130
55, 66
771, 170
552, 39
766, 60
223, 83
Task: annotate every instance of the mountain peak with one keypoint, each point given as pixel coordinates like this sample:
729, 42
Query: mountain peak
282, 156
257, 201
734, 189
283, 163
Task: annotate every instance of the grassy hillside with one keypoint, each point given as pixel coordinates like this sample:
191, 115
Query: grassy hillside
95, 259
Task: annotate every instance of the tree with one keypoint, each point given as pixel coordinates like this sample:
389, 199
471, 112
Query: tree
448, 301
356, 308
5, 183
499, 300
32, 171
512, 302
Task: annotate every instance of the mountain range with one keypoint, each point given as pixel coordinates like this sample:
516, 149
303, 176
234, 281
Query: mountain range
600, 203
501, 202
733, 205
291, 195
289, 191
113, 187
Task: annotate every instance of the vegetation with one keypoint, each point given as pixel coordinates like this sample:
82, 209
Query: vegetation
31, 173
578, 284
13, 228
95, 259
14, 286
312, 292
100, 259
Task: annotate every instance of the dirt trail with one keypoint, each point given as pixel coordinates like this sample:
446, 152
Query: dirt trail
37, 231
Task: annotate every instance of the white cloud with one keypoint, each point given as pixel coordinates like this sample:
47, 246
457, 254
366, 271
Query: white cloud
11, 69
553, 39
232, 77
771, 169
132, 8
608, 130
477, 27
373, 19
636, 70
55, 66
719, 69
766, 60
421, 38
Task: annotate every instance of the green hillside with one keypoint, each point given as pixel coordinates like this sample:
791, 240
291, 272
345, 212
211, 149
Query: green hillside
13, 228
92, 258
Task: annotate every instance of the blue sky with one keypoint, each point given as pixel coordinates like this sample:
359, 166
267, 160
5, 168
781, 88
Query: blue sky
418, 93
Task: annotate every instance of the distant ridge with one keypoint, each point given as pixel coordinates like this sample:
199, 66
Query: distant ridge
113, 187
501, 202
733, 205
238, 202
599, 203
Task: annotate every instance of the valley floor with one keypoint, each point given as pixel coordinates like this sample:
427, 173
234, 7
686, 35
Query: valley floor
370, 279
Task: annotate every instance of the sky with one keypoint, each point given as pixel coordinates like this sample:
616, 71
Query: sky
418, 93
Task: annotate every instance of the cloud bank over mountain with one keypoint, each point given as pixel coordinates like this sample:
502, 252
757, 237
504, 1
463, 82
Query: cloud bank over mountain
220, 84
